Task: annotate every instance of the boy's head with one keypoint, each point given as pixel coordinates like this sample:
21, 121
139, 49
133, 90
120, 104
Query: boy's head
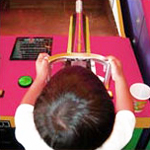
74, 110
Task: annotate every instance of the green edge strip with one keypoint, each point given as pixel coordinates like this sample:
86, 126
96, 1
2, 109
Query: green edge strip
134, 140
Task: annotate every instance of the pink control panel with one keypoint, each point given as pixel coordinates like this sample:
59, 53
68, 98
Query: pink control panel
12, 70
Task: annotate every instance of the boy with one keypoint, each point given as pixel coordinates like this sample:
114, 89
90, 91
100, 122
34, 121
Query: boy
74, 111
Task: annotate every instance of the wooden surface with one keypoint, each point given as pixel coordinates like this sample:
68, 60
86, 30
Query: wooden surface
52, 17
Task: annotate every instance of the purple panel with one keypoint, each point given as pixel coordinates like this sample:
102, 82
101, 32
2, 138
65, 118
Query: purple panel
144, 53
136, 14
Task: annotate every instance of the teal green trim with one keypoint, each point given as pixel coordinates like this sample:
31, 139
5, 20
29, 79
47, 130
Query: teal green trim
148, 146
134, 140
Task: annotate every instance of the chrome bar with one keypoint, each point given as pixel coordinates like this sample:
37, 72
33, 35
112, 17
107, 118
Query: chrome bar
82, 57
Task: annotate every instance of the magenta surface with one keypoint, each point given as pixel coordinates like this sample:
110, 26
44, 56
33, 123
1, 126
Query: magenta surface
10, 71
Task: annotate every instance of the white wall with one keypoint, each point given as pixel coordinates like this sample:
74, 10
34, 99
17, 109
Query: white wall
113, 4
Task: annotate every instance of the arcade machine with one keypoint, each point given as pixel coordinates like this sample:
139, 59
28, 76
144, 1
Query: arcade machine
82, 49
137, 27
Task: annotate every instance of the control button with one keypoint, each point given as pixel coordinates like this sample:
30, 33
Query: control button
2, 93
25, 81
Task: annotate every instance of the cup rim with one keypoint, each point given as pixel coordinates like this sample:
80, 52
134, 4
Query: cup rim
135, 96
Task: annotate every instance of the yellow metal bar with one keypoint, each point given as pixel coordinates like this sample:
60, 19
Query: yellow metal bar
9, 118
69, 49
88, 50
78, 55
142, 122
79, 34
120, 19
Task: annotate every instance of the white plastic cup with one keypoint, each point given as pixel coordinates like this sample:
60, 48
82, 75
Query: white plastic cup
141, 94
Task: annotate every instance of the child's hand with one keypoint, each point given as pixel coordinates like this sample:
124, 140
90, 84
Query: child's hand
42, 68
116, 68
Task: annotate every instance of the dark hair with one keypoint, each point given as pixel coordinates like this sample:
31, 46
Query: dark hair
74, 110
